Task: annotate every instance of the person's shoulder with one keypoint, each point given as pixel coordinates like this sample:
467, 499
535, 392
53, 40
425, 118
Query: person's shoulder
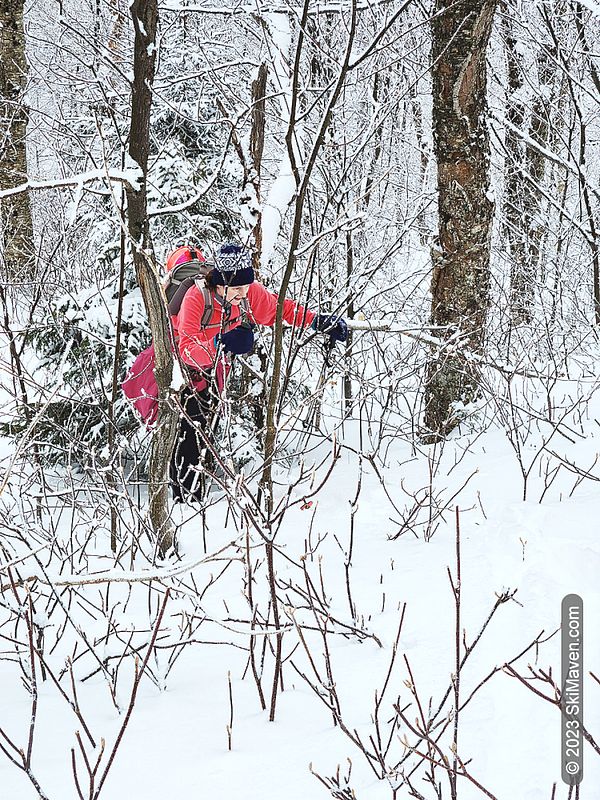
256, 289
192, 305
194, 295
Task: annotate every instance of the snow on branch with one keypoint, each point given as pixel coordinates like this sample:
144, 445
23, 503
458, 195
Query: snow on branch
132, 176
345, 224
202, 191
413, 333
42, 410
455, 345
120, 576
9, 564
251, 8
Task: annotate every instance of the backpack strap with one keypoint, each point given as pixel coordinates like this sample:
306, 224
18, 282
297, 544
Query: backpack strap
209, 307
176, 300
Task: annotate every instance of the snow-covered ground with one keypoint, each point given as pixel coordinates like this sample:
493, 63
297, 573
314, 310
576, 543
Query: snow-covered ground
176, 742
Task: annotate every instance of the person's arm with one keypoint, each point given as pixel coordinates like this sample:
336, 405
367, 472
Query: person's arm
196, 346
263, 305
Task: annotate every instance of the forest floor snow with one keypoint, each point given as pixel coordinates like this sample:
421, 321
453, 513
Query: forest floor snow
176, 743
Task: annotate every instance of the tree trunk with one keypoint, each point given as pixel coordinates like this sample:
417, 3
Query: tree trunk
15, 212
257, 145
525, 168
461, 278
593, 237
144, 14
520, 288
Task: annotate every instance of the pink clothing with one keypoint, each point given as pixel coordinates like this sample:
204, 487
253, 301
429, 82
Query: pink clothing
196, 344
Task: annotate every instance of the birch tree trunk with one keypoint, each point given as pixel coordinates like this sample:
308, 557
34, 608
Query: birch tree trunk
461, 278
15, 212
144, 14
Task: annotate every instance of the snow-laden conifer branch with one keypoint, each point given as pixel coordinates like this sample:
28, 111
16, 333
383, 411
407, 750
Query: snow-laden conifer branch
39, 415
202, 191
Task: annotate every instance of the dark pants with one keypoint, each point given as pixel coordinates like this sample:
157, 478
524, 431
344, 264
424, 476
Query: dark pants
186, 478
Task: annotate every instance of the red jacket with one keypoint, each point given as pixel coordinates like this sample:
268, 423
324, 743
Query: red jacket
196, 344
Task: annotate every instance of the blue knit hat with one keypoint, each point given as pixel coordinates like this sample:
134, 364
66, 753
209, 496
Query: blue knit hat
233, 266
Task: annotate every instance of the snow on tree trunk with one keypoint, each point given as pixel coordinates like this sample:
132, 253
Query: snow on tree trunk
525, 166
461, 278
16, 224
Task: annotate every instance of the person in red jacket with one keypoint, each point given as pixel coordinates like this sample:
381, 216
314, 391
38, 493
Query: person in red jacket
215, 321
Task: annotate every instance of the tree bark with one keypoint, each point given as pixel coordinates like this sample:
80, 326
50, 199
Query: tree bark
461, 278
593, 236
525, 169
257, 145
520, 288
144, 14
15, 212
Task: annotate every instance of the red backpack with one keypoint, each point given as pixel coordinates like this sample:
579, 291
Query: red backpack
186, 266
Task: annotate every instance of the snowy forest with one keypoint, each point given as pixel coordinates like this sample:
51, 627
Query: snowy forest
364, 600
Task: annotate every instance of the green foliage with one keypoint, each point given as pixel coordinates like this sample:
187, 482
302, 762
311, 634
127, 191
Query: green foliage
74, 427
187, 142
185, 153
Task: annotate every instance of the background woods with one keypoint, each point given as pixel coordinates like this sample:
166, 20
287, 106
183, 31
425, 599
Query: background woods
389, 525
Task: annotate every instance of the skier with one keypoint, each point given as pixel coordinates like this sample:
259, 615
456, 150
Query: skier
216, 320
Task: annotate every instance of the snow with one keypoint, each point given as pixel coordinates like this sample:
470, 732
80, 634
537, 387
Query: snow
540, 551
176, 5
131, 176
281, 194
592, 5
283, 188
178, 381
357, 551
250, 207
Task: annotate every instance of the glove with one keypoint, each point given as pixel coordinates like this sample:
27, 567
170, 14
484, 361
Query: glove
239, 340
334, 326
